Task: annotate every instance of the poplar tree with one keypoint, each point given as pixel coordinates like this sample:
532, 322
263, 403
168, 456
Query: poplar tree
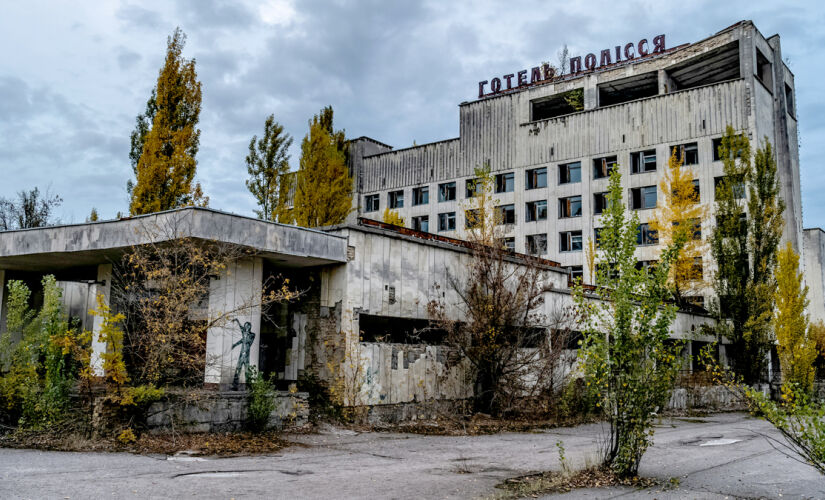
165, 140
392, 217
680, 217
744, 244
323, 191
268, 166
796, 346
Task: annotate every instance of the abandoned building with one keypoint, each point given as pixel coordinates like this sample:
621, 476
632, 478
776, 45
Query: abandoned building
367, 291
551, 156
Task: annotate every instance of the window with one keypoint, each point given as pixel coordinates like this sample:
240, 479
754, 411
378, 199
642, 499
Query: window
421, 195
421, 223
646, 236
536, 178
536, 210
697, 268
371, 203
506, 214
717, 154
537, 244
764, 70
557, 105
570, 173
576, 272
688, 153
789, 100
603, 166
505, 183
599, 202
697, 228
508, 243
597, 236
446, 191
446, 221
570, 241
395, 199
644, 161
697, 192
738, 188
647, 265
643, 197
570, 207
472, 218
473, 186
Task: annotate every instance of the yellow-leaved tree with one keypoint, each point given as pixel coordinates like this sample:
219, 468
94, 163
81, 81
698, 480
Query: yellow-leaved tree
680, 217
392, 217
796, 346
323, 192
166, 140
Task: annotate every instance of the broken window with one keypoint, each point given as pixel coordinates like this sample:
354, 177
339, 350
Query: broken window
536, 178
597, 236
736, 185
446, 221
536, 210
600, 202
570, 207
646, 235
712, 66
508, 243
505, 183
643, 161
506, 214
647, 265
421, 195
395, 199
537, 244
371, 203
688, 153
570, 241
603, 166
697, 228
789, 100
629, 89
570, 173
764, 70
576, 272
472, 218
421, 223
697, 268
557, 105
643, 197
472, 187
394, 330
446, 191
717, 154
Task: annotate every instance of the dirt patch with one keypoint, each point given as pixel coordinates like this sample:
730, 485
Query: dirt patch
479, 424
558, 482
195, 444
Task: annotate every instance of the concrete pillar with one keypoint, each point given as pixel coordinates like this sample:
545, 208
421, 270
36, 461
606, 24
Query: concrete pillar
102, 287
235, 315
2, 300
666, 83
591, 93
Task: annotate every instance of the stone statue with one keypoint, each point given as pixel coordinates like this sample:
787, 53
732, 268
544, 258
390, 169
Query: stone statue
247, 338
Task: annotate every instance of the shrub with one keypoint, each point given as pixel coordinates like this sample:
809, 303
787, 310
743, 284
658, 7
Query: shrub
260, 399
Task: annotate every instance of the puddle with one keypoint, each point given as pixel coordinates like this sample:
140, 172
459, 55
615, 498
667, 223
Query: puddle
720, 442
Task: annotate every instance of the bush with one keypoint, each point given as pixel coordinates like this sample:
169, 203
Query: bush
260, 400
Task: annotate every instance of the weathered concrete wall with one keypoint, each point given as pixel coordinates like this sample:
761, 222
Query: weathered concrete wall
223, 411
814, 269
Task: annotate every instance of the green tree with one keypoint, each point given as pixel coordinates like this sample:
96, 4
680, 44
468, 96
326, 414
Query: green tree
323, 193
268, 166
93, 216
31, 209
796, 346
392, 217
166, 140
744, 244
628, 363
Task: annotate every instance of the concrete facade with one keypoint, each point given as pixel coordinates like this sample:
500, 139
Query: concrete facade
814, 269
685, 96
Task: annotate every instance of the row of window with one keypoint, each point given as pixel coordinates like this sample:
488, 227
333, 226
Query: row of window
640, 198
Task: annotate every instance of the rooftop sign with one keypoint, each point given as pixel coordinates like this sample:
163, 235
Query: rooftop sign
545, 72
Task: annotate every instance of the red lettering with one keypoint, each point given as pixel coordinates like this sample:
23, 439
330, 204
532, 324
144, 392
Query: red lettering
522, 77
629, 52
658, 44
605, 58
495, 85
509, 79
643, 47
481, 88
535, 75
590, 61
575, 64
549, 71
618, 53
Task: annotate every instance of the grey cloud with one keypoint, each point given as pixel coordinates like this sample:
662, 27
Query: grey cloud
139, 17
127, 58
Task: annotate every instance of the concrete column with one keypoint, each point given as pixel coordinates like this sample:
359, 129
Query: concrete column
102, 287
235, 314
591, 93
666, 83
2, 300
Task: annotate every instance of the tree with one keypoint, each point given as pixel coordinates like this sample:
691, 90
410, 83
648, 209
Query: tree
323, 194
796, 347
31, 209
93, 216
392, 217
744, 244
628, 363
268, 165
680, 217
500, 311
167, 138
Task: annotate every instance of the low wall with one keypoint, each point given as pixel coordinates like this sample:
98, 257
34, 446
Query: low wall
206, 411
711, 397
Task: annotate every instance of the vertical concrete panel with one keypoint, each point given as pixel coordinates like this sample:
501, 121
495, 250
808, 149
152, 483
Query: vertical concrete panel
102, 287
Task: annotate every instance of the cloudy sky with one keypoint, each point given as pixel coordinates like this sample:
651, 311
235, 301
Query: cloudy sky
74, 75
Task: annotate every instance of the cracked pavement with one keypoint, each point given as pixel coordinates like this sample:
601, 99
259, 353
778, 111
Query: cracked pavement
719, 456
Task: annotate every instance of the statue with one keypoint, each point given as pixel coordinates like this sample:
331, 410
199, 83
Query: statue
247, 338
